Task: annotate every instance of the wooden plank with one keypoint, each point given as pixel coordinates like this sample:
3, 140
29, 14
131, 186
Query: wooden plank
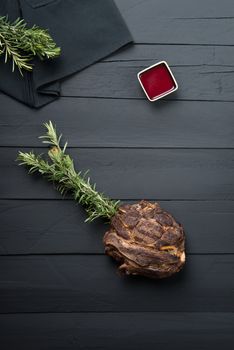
187, 22
178, 55
52, 227
183, 8
117, 331
121, 123
197, 174
203, 73
118, 80
86, 283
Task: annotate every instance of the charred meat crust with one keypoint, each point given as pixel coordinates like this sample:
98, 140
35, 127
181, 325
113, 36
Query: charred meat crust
146, 240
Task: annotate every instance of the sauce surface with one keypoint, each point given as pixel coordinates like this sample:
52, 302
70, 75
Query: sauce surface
157, 81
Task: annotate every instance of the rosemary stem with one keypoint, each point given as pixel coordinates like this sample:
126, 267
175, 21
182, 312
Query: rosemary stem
60, 170
21, 43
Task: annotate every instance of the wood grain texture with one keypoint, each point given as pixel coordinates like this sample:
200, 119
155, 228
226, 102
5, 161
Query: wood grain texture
187, 22
119, 80
203, 73
91, 283
178, 55
201, 174
117, 331
183, 8
57, 226
121, 123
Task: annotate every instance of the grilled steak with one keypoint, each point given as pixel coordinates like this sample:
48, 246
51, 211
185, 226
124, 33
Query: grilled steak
146, 240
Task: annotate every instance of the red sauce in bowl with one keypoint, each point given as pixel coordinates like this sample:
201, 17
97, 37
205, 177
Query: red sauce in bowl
157, 81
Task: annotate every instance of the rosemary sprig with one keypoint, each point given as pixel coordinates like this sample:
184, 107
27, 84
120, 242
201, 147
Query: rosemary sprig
20, 43
60, 170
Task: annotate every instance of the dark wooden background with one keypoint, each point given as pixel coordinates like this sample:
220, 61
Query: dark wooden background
57, 289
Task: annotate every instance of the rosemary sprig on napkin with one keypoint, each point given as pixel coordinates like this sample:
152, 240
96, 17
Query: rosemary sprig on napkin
60, 170
20, 43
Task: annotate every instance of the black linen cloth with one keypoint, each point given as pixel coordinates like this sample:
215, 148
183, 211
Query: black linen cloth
86, 31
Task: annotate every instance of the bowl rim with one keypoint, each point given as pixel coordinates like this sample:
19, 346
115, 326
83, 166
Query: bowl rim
163, 94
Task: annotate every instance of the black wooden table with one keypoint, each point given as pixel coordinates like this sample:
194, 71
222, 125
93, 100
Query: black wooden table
57, 289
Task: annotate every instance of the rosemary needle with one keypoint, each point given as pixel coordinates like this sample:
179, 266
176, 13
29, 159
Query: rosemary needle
21, 43
60, 170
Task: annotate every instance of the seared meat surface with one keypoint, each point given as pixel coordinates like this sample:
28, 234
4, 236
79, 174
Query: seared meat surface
146, 240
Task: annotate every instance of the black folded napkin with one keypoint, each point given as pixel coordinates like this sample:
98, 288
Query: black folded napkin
86, 31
